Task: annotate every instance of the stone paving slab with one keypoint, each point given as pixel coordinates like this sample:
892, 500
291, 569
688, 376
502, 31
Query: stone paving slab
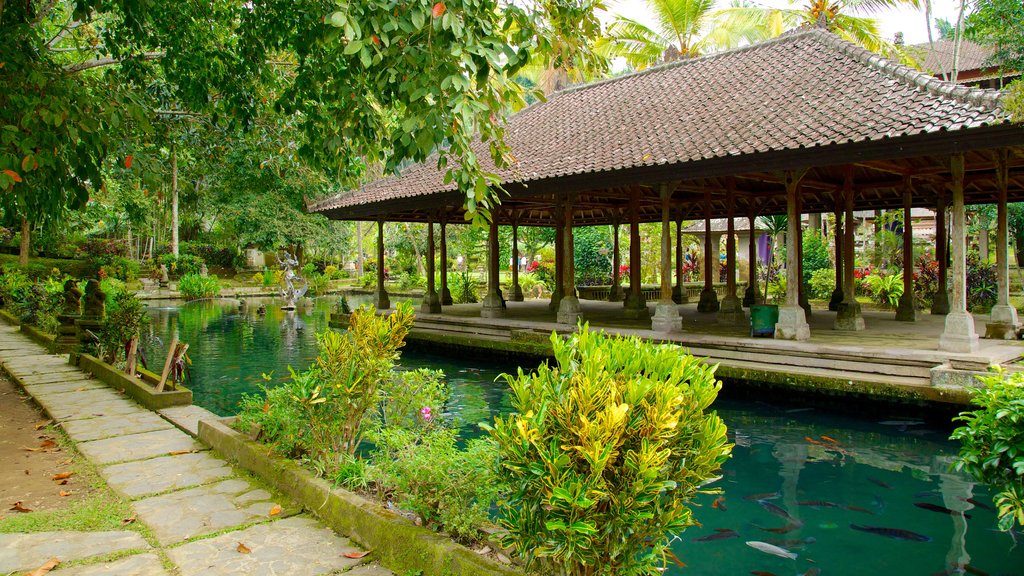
30, 369
139, 565
187, 417
137, 446
110, 426
63, 386
35, 379
290, 547
21, 552
77, 408
369, 570
145, 477
189, 513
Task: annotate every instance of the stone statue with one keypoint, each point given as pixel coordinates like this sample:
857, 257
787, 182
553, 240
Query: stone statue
72, 298
203, 271
95, 300
165, 280
290, 292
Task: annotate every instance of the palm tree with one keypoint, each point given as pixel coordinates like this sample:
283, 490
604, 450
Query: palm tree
684, 29
848, 19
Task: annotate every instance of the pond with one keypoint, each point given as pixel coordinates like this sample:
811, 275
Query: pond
870, 495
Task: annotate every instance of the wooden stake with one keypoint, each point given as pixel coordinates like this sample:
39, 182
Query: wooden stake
167, 365
133, 348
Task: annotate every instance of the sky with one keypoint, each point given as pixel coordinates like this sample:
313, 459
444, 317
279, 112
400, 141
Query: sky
907, 20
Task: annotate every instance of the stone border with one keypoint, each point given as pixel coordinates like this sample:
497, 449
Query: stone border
11, 319
396, 543
136, 388
39, 337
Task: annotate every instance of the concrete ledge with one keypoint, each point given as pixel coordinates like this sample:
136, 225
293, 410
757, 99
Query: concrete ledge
399, 545
142, 392
39, 337
9, 318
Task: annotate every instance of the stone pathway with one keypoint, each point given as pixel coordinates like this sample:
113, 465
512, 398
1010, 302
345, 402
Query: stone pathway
204, 517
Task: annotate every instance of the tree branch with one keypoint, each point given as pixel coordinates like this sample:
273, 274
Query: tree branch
100, 62
64, 31
45, 11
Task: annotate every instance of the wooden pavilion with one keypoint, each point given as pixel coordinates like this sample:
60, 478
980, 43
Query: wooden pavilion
805, 123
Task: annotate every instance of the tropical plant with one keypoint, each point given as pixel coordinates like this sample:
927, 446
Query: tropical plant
982, 284
992, 443
603, 452
196, 287
823, 282
126, 317
688, 27
815, 255
463, 288
886, 289
926, 280
775, 226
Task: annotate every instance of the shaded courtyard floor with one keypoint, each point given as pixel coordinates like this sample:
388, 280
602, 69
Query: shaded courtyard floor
190, 513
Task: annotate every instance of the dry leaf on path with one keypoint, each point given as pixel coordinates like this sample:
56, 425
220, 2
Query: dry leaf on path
63, 475
128, 520
275, 510
180, 452
243, 549
45, 568
43, 424
63, 482
64, 493
17, 507
356, 555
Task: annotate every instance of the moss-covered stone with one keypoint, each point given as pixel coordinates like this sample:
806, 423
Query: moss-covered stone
142, 392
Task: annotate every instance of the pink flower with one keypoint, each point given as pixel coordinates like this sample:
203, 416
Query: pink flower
425, 412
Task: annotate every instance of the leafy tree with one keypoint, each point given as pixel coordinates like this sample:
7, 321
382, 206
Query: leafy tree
1000, 25
945, 28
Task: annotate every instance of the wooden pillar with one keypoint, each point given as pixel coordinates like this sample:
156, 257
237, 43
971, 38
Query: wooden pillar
635, 303
1003, 323
752, 296
679, 295
940, 300
959, 334
848, 316
569, 306
493, 305
616, 294
708, 298
802, 286
517, 290
792, 324
558, 215
380, 298
731, 310
906, 312
666, 313
431, 302
445, 294
837, 294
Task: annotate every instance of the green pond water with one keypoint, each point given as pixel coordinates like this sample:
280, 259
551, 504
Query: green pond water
886, 464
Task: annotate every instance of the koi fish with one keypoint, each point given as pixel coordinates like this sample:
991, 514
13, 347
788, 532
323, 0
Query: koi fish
894, 533
763, 496
720, 534
878, 482
719, 503
829, 440
771, 549
791, 542
939, 509
777, 510
817, 504
977, 504
782, 530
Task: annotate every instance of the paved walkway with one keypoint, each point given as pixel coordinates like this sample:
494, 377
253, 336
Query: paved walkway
204, 517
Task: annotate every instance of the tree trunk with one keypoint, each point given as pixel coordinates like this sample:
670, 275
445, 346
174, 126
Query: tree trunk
23, 252
174, 201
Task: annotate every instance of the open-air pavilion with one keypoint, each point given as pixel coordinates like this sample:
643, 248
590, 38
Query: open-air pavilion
806, 123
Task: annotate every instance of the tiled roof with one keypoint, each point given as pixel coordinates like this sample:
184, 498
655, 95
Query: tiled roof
939, 60
804, 90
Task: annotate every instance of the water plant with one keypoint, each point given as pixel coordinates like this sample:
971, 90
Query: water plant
604, 452
992, 443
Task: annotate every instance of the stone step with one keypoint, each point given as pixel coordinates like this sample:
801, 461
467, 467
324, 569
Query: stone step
445, 332
788, 360
834, 374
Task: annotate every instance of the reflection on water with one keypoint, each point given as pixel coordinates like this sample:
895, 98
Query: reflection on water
824, 471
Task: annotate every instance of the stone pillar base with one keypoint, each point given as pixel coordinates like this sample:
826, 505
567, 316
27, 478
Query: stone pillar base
848, 317
87, 330
666, 317
905, 312
1003, 323
679, 295
836, 300
381, 301
616, 294
67, 333
731, 311
431, 303
569, 311
792, 324
708, 301
446, 297
959, 335
517, 294
940, 303
750, 296
493, 306
636, 307
556, 298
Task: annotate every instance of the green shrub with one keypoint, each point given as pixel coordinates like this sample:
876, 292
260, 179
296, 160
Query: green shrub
981, 284
318, 284
277, 417
126, 317
118, 267
195, 286
885, 290
410, 280
823, 282
368, 280
529, 282
13, 284
463, 288
815, 255
992, 443
183, 265
604, 452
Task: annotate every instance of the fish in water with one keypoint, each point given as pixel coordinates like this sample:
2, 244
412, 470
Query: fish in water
763, 496
776, 509
977, 504
878, 482
781, 530
831, 440
817, 504
719, 503
791, 542
798, 410
939, 509
894, 533
855, 508
720, 534
771, 549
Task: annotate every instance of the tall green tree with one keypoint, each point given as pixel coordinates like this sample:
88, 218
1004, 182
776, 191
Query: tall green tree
1000, 25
